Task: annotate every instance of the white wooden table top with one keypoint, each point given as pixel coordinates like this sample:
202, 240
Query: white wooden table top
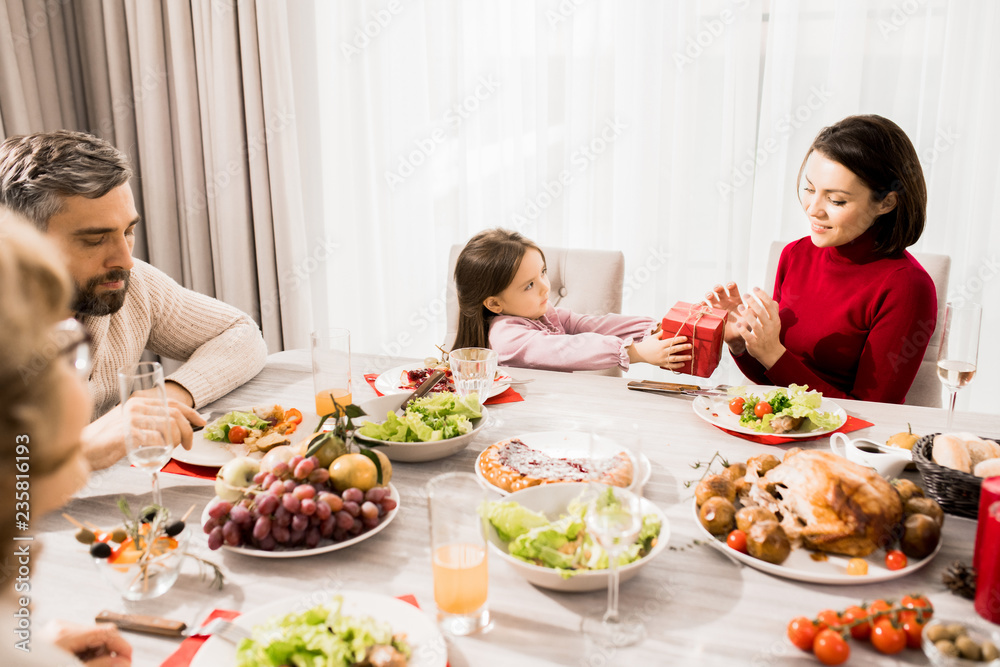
698, 606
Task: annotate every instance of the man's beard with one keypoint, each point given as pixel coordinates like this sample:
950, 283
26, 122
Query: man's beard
89, 302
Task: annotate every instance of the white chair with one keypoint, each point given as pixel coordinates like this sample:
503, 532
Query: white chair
585, 281
926, 387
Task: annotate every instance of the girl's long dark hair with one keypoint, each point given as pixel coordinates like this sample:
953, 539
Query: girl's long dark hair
485, 267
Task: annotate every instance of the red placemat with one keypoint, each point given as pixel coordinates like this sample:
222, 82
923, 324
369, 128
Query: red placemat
506, 396
852, 424
190, 470
184, 654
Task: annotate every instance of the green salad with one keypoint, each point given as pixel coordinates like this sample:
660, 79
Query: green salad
437, 416
563, 544
796, 401
219, 429
317, 637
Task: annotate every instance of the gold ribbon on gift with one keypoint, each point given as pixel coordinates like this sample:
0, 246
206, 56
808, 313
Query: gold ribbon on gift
698, 311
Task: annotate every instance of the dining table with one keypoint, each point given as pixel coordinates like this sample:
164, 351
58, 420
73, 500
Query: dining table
699, 606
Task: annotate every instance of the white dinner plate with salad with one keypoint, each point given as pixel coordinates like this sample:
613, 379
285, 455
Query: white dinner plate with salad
376, 410
213, 453
815, 567
715, 410
560, 444
389, 381
421, 634
325, 546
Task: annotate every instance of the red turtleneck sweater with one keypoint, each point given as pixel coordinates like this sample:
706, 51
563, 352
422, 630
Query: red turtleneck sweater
854, 324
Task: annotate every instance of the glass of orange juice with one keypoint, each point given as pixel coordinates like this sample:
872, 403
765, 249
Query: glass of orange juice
458, 553
331, 369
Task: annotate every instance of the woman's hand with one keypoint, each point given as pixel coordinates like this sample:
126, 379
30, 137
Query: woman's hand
666, 352
728, 299
95, 645
760, 325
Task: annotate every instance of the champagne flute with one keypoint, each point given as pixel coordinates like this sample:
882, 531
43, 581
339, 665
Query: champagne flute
146, 419
614, 519
959, 349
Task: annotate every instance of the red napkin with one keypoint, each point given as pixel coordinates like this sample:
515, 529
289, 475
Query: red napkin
184, 654
506, 396
190, 470
852, 424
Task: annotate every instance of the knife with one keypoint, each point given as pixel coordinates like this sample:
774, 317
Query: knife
139, 623
425, 387
665, 386
638, 386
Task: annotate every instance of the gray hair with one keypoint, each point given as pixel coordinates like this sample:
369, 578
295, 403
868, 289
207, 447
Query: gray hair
38, 170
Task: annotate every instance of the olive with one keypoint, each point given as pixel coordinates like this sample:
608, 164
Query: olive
119, 535
718, 515
968, 648
921, 535
149, 515
84, 536
100, 550
990, 651
946, 648
174, 528
712, 486
955, 630
936, 632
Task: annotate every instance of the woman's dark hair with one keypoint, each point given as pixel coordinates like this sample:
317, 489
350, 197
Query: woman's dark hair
485, 267
880, 154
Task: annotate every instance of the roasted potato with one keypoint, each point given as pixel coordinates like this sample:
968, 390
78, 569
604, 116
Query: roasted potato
735, 471
767, 541
762, 463
712, 486
748, 516
718, 515
921, 535
907, 489
927, 506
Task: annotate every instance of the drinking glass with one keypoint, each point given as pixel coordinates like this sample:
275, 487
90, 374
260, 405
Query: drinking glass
473, 369
458, 553
614, 519
147, 420
331, 369
959, 349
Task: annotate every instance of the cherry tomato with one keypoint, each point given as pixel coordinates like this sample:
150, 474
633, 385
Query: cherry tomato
923, 609
736, 405
293, 415
802, 632
762, 408
857, 615
895, 560
887, 638
737, 540
237, 434
914, 630
828, 618
831, 648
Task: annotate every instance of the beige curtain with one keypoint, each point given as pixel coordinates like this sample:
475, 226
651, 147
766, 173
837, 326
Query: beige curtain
198, 95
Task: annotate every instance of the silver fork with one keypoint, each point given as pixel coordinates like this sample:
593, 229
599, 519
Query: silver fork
223, 629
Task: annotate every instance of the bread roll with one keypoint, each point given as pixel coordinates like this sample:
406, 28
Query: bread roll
951, 452
982, 450
988, 468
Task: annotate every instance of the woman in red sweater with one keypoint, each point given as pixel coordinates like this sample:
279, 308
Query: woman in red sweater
850, 305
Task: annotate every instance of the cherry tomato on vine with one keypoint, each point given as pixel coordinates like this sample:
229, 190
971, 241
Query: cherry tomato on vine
895, 560
237, 434
802, 632
736, 405
762, 408
856, 614
914, 630
831, 648
828, 618
887, 638
923, 609
737, 539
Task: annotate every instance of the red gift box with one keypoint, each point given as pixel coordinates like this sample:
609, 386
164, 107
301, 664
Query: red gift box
704, 326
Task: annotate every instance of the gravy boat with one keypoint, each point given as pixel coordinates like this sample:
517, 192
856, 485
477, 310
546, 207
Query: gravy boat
887, 461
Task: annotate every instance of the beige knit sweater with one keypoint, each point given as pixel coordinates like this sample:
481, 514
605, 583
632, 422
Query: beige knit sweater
222, 346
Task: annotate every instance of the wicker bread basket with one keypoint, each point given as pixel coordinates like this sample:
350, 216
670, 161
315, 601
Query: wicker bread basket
957, 492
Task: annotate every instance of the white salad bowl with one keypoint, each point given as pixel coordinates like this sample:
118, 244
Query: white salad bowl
411, 452
552, 501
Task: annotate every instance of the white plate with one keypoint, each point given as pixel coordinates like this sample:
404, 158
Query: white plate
715, 410
426, 641
559, 444
205, 452
552, 500
325, 546
412, 452
388, 382
800, 565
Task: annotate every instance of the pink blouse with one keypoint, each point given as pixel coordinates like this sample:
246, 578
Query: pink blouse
562, 340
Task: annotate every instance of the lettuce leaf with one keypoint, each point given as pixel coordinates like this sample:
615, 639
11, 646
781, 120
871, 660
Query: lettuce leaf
437, 416
219, 429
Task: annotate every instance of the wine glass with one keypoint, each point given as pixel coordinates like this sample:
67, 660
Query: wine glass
614, 519
146, 419
959, 349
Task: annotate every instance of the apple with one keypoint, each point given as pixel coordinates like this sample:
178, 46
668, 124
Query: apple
235, 476
281, 453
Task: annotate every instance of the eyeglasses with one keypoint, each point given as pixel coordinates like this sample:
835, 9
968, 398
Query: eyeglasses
74, 346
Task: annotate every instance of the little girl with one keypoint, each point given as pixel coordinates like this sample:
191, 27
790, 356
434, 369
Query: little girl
503, 304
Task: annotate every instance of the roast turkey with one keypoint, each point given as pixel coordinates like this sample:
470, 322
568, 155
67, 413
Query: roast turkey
828, 503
